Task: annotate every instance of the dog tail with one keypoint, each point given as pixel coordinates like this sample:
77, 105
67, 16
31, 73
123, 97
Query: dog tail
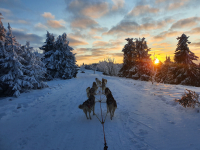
80, 106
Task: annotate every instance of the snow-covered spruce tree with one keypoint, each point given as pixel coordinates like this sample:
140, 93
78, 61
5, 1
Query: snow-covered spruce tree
2, 30
2, 38
2, 48
48, 50
61, 63
185, 71
11, 74
138, 64
33, 66
128, 61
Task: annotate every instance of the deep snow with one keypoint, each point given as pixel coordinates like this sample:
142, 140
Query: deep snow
147, 118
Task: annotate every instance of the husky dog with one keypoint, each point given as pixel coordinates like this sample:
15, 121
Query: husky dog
98, 82
95, 87
104, 82
87, 91
111, 102
89, 104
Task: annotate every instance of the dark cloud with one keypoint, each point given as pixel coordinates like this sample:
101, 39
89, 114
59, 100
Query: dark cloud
166, 34
22, 37
125, 27
188, 22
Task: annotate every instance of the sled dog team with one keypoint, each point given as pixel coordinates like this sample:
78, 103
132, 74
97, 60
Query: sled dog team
89, 104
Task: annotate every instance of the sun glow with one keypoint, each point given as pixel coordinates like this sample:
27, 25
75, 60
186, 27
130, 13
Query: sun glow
156, 61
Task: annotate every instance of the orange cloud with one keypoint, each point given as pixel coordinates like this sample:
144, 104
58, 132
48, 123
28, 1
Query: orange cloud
177, 5
96, 11
83, 23
56, 23
40, 26
143, 9
48, 15
194, 31
76, 42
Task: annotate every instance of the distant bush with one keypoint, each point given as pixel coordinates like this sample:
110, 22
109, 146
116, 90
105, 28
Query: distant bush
109, 67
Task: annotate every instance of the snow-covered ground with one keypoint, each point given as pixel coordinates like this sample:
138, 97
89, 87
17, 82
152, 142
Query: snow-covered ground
147, 118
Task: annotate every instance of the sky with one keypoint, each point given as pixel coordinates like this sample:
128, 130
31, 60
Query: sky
97, 29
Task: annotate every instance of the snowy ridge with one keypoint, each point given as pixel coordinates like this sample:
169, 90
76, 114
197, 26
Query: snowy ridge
147, 118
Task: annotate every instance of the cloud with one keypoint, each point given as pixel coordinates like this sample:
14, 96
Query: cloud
118, 4
194, 31
176, 5
96, 10
160, 1
142, 9
122, 27
111, 44
100, 44
96, 30
197, 44
22, 37
97, 37
126, 27
57, 24
17, 21
83, 23
40, 26
166, 34
188, 22
76, 42
5, 12
48, 15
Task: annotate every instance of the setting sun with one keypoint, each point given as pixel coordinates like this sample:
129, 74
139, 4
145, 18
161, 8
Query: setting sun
156, 61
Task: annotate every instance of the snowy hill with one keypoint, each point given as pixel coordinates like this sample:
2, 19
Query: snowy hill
147, 118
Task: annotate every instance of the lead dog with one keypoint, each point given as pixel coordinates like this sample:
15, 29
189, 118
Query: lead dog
111, 102
104, 82
98, 82
95, 87
89, 104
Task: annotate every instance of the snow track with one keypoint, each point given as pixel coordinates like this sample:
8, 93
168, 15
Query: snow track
146, 118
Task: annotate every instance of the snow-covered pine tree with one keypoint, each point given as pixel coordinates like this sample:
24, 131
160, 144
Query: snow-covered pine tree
2, 30
2, 49
62, 62
11, 74
2, 38
186, 71
128, 61
137, 62
183, 55
34, 67
48, 50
